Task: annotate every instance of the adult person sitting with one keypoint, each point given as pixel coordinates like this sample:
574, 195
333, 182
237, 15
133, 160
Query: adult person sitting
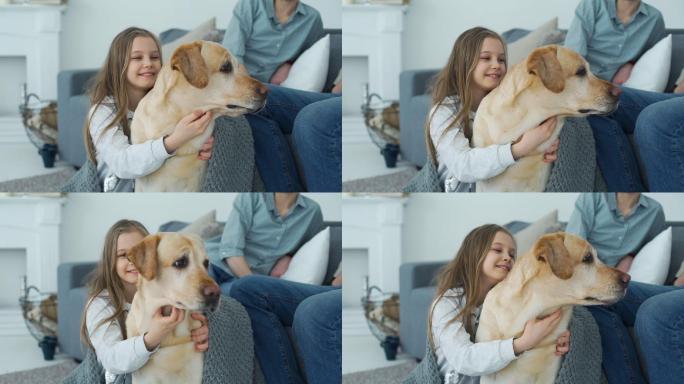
261, 234
612, 35
267, 36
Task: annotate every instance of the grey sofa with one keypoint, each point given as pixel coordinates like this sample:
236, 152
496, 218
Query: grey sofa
72, 291
415, 100
74, 103
417, 289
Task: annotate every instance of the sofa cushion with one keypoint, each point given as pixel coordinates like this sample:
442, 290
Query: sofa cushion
198, 33
310, 262
653, 260
309, 71
651, 71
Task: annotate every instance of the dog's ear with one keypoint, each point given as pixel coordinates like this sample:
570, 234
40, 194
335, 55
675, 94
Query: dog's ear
144, 256
543, 63
189, 61
551, 249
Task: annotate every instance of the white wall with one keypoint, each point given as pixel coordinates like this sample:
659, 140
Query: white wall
87, 217
435, 224
432, 26
88, 26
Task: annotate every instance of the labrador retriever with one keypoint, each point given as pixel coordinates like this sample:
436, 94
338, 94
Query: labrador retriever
173, 272
552, 81
560, 270
201, 75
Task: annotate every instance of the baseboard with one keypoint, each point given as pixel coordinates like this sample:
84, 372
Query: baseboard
12, 323
354, 323
12, 130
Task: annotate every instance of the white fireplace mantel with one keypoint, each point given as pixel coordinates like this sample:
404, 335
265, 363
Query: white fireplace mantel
33, 224
375, 224
32, 32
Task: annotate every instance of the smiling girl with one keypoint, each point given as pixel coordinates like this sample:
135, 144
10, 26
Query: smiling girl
476, 66
129, 72
111, 290
484, 259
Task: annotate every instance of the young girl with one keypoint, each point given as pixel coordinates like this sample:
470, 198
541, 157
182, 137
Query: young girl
111, 291
129, 72
484, 259
476, 66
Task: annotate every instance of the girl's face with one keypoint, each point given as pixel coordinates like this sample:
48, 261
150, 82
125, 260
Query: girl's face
500, 258
491, 65
124, 268
144, 64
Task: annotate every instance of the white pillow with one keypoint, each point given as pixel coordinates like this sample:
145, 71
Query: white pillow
198, 33
651, 71
519, 49
652, 262
310, 70
526, 238
310, 262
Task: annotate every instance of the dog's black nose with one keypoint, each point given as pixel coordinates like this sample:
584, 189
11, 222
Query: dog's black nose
624, 279
261, 89
212, 294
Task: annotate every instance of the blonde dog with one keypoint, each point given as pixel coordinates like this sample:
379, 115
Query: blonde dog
552, 81
173, 273
561, 270
200, 76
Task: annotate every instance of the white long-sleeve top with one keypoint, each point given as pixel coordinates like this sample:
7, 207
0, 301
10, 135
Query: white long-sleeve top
456, 354
119, 162
459, 165
117, 356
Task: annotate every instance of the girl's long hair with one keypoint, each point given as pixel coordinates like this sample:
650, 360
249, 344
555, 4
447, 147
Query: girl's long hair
104, 277
464, 272
456, 79
111, 81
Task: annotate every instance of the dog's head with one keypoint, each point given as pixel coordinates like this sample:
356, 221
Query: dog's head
567, 268
562, 82
174, 266
206, 73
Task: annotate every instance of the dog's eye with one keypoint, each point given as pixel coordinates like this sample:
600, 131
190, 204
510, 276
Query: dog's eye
206, 264
227, 67
588, 258
581, 72
181, 263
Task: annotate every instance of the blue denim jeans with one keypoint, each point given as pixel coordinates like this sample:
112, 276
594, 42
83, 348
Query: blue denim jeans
657, 124
274, 158
318, 141
657, 314
315, 315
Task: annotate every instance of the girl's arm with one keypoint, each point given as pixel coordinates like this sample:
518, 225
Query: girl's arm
465, 163
116, 355
462, 355
126, 161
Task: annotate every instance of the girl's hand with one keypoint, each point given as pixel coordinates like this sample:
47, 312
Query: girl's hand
531, 139
205, 151
187, 129
563, 343
535, 331
161, 326
551, 154
200, 335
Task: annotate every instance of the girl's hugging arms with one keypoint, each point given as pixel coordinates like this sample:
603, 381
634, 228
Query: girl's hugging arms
126, 161
467, 164
116, 355
461, 354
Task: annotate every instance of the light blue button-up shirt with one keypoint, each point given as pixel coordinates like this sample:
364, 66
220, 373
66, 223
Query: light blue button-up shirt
258, 40
256, 230
597, 219
598, 34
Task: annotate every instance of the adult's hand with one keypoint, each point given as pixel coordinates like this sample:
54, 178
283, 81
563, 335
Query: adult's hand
280, 75
622, 74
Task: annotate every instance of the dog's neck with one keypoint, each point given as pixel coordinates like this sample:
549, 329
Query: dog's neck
147, 304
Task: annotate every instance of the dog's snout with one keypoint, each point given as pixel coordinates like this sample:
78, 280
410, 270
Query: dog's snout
261, 89
211, 290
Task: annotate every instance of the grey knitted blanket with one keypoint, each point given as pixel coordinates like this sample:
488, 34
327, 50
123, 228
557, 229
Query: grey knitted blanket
229, 360
575, 169
582, 364
230, 169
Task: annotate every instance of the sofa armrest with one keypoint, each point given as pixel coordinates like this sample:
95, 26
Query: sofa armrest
412, 83
73, 275
417, 275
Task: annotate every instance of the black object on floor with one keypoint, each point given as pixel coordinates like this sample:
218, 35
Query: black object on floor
48, 345
390, 346
48, 153
390, 153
